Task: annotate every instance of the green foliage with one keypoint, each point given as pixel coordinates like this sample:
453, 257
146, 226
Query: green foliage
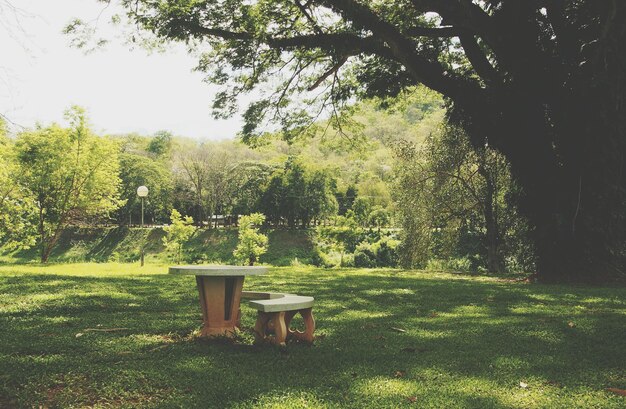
379, 217
17, 210
178, 233
161, 144
71, 175
455, 202
121, 244
252, 244
462, 265
299, 194
361, 209
381, 253
138, 170
346, 244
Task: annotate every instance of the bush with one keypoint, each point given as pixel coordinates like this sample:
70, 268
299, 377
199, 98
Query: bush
382, 253
387, 252
252, 244
365, 255
463, 264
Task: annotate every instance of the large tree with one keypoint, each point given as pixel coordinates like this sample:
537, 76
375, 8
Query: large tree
543, 81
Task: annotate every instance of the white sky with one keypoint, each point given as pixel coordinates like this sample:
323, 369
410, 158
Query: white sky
123, 90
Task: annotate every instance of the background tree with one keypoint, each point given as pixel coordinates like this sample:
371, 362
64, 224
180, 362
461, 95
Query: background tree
161, 144
252, 244
138, 170
192, 169
71, 174
361, 209
208, 171
321, 203
17, 210
542, 81
178, 233
249, 178
460, 196
271, 202
379, 217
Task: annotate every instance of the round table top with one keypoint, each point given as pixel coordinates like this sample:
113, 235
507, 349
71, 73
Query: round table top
221, 271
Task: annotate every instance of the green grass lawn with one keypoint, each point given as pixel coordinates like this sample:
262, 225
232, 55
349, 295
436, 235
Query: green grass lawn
466, 342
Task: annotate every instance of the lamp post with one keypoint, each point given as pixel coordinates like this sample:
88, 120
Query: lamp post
142, 192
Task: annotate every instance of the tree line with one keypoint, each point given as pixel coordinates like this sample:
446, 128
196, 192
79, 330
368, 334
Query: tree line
54, 177
404, 188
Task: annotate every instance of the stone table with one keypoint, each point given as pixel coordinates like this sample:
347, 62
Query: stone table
220, 294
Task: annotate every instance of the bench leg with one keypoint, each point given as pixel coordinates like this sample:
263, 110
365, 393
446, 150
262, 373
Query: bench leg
288, 317
260, 326
309, 325
280, 329
274, 321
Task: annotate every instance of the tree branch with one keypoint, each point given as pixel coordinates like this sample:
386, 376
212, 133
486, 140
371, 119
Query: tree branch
328, 73
346, 43
478, 59
430, 73
448, 31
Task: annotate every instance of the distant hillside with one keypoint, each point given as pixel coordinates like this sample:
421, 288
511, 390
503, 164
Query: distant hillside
123, 244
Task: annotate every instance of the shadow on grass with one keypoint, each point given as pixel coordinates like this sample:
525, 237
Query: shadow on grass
385, 339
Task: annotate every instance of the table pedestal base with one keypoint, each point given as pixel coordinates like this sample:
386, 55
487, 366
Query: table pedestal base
219, 300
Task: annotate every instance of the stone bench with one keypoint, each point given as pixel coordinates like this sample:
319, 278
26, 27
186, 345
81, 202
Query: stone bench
275, 312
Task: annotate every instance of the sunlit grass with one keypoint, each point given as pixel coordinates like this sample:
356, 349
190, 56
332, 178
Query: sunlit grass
387, 338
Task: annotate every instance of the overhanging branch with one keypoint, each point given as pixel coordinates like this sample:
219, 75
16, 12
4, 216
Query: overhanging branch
429, 72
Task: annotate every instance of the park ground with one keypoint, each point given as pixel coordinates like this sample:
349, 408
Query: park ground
116, 335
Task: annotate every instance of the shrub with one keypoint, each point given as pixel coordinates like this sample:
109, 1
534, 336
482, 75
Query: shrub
252, 243
365, 255
178, 233
387, 252
382, 253
463, 264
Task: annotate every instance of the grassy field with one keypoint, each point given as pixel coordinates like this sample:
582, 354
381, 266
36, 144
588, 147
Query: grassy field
461, 342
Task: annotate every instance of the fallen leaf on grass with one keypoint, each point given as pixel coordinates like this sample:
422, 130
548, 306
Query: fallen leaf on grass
523, 385
80, 334
155, 349
397, 329
617, 391
571, 324
412, 399
105, 329
399, 374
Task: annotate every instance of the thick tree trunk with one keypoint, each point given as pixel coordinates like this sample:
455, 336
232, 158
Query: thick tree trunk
546, 194
571, 188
